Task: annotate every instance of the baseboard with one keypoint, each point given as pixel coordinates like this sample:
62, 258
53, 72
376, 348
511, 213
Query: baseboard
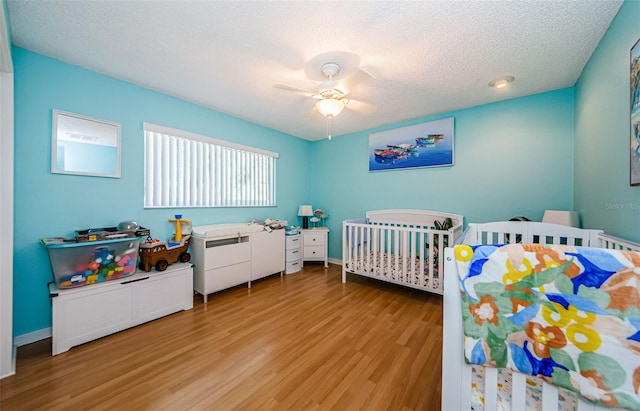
32, 337
335, 261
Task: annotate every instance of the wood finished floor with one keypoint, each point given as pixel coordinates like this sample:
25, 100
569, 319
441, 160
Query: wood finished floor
302, 342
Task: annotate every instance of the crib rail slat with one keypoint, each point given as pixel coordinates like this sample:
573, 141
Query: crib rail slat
549, 397
412, 257
396, 252
518, 391
422, 246
455, 395
490, 388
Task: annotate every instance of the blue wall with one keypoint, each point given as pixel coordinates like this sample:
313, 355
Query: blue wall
512, 158
48, 205
603, 195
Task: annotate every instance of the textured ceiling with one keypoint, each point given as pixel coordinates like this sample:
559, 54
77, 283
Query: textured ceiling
427, 57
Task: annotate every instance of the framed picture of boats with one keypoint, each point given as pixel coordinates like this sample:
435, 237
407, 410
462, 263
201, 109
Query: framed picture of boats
635, 115
427, 144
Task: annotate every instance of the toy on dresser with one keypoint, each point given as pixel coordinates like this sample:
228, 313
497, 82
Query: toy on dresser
159, 254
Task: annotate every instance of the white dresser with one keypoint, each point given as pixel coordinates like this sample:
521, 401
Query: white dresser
315, 245
86, 313
227, 261
294, 254
267, 253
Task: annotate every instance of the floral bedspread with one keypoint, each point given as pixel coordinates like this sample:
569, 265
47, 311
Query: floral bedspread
570, 315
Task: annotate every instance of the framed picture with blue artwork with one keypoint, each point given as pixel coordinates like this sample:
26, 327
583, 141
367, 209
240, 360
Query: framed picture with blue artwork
427, 144
635, 115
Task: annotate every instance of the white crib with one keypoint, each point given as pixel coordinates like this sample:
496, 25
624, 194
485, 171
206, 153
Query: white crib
399, 246
457, 390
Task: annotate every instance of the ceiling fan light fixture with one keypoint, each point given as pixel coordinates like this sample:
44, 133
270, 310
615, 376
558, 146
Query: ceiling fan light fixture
501, 82
329, 107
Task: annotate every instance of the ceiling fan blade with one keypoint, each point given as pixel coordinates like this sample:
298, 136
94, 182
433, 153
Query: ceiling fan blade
362, 76
360, 107
298, 90
365, 72
344, 96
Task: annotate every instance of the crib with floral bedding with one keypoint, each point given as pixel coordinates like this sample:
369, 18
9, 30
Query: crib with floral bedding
540, 317
400, 246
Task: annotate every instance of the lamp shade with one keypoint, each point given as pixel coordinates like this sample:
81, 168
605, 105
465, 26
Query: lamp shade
568, 218
305, 211
329, 107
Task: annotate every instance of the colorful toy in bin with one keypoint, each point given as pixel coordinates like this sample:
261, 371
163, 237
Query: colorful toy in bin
160, 254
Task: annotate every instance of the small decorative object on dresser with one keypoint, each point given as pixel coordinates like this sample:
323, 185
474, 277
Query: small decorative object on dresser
315, 243
319, 216
305, 211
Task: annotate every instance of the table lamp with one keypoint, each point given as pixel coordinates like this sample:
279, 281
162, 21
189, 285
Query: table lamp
305, 211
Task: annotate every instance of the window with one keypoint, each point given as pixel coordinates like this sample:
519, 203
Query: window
183, 169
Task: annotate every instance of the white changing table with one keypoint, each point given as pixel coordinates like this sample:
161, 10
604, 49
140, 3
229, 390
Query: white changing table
226, 255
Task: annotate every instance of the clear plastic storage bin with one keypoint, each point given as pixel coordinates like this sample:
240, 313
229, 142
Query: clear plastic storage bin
76, 264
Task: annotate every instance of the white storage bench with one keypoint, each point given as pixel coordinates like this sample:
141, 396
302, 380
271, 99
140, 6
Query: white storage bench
86, 313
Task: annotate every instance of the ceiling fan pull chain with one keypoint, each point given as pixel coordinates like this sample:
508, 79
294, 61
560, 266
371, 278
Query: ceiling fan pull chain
329, 128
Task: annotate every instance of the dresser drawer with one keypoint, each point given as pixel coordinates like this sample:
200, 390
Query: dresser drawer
223, 278
294, 242
293, 266
314, 252
222, 253
294, 254
311, 239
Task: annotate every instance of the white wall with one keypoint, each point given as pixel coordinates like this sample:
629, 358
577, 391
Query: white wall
6, 225
7, 352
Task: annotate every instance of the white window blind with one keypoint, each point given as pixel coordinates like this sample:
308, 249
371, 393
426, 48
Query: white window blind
183, 169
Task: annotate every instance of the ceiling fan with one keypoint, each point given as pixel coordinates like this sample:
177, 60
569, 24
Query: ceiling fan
328, 90
330, 94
